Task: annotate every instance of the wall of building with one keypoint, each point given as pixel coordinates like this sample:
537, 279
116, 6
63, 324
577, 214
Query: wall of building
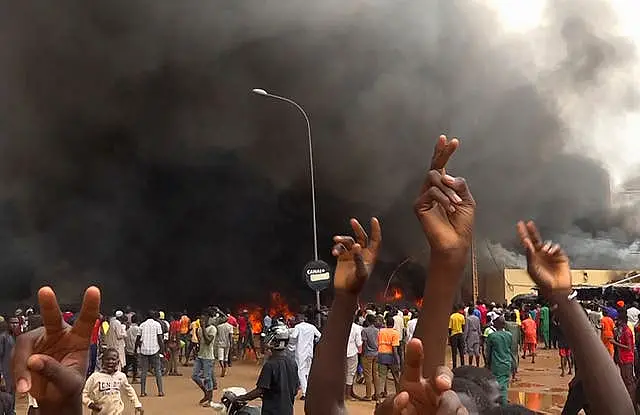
517, 281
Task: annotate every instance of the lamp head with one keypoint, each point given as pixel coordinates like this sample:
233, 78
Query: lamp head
259, 91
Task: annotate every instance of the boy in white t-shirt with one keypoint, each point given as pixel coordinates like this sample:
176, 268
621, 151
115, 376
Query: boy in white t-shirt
101, 393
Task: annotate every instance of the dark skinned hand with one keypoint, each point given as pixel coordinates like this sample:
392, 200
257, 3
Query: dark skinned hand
356, 258
547, 263
50, 362
445, 206
419, 395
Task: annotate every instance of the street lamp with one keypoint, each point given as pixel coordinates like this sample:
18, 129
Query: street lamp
264, 93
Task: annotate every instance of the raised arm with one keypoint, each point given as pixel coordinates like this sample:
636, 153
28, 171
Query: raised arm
548, 266
446, 210
355, 261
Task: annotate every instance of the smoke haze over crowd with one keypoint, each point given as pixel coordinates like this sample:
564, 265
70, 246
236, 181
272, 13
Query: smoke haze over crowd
134, 156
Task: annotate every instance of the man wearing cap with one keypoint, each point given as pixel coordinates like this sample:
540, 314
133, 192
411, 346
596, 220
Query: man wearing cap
116, 336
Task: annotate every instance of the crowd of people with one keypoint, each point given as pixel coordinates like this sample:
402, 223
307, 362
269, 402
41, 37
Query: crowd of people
66, 362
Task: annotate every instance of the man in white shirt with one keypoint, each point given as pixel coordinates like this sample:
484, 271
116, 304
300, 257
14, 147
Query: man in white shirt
115, 337
305, 335
633, 314
411, 327
398, 325
151, 345
354, 346
130, 347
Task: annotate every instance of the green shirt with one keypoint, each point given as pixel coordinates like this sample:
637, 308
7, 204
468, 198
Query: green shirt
499, 350
206, 349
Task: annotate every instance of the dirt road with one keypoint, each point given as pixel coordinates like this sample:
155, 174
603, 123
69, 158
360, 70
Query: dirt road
540, 388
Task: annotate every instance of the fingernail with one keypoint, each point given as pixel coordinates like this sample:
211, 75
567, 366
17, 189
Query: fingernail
446, 379
22, 385
457, 198
449, 178
452, 208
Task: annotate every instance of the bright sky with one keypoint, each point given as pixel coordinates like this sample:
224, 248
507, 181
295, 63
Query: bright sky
616, 141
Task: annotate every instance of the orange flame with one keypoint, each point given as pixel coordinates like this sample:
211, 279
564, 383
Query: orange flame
419, 302
256, 314
279, 306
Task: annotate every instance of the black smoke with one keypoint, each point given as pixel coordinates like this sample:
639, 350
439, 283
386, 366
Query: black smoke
134, 156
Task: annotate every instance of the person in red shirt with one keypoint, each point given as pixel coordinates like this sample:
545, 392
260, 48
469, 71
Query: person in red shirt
624, 342
530, 331
483, 312
242, 331
93, 348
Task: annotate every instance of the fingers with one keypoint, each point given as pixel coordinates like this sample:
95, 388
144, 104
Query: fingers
88, 313
450, 404
51, 315
401, 403
460, 187
343, 244
443, 151
361, 267
413, 361
361, 235
66, 379
21, 353
376, 234
525, 239
534, 234
443, 379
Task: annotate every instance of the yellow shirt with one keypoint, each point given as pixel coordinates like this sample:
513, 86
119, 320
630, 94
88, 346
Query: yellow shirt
194, 331
518, 321
456, 321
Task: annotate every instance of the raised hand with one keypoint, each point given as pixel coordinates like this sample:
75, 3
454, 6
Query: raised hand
356, 258
419, 395
446, 210
51, 362
547, 263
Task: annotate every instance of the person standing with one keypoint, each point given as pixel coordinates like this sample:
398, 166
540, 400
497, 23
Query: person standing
516, 340
472, 335
185, 322
624, 343
354, 346
606, 330
566, 360
388, 360
93, 346
500, 359
151, 344
456, 335
130, 348
370, 357
203, 375
411, 326
224, 339
530, 331
7, 344
305, 336
545, 323
114, 338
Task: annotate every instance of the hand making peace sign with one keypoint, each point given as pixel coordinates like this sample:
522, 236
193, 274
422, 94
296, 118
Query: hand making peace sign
50, 362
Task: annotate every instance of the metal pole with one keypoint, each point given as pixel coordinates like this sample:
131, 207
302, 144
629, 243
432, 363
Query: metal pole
311, 170
318, 307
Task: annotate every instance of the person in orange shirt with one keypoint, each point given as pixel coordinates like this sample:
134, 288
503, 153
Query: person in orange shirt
388, 358
184, 337
530, 330
607, 326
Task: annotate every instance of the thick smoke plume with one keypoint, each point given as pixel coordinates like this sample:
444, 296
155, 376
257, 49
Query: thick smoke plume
133, 155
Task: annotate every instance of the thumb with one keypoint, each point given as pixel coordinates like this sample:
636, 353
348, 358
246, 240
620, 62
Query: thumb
66, 379
459, 185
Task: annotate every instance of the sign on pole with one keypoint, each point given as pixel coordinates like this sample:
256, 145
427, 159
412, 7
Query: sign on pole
317, 274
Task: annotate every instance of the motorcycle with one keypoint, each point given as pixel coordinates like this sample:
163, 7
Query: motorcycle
231, 406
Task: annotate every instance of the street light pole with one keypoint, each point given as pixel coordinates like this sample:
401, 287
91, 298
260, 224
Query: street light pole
264, 93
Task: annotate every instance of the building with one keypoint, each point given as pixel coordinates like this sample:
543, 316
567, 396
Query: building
517, 281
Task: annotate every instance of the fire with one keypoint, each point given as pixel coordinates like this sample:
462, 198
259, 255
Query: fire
255, 317
279, 306
394, 294
419, 302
